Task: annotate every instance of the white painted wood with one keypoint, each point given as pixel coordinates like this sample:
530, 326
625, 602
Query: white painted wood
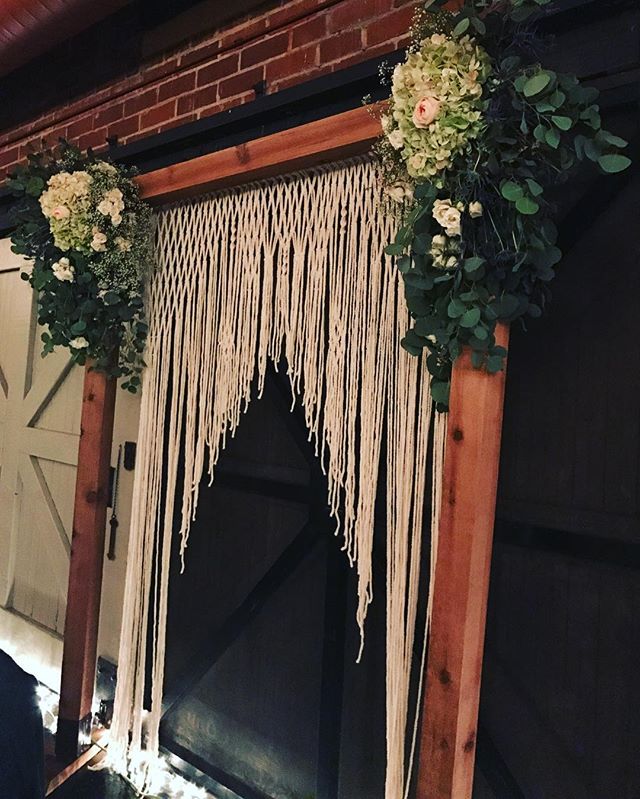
40, 400
38, 454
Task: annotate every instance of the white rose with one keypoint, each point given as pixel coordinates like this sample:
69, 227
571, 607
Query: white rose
439, 242
116, 219
99, 241
63, 270
396, 139
79, 343
104, 207
399, 191
475, 209
447, 216
425, 112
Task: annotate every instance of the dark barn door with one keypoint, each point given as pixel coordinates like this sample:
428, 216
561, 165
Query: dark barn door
262, 691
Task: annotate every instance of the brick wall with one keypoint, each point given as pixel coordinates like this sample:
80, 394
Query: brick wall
291, 42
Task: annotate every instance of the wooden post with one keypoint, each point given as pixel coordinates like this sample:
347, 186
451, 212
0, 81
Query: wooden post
85, 569
454, 665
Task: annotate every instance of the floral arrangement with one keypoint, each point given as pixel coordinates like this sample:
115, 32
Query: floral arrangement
475, 134
81, 221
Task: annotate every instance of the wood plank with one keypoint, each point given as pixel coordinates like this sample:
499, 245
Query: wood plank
85, 569
339, 136
450, 714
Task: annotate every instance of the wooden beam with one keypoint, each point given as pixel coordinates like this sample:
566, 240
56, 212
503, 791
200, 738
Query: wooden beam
340, 136
85, 568
456, 643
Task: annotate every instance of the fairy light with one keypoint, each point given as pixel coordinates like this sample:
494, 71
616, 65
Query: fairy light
48, 701
151, 775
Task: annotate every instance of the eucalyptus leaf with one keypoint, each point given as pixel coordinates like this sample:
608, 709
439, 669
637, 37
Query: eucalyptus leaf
536, 84
614, 162
461, 27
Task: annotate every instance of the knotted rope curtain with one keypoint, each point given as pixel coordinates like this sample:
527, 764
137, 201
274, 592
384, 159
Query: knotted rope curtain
291, 266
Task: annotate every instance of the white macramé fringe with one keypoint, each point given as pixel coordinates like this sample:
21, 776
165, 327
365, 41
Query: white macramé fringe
294, 265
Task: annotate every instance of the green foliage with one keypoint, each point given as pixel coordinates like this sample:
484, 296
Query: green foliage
93, 306
539, 125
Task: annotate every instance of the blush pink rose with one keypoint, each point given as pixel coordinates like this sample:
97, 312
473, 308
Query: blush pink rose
426, 110
60, 212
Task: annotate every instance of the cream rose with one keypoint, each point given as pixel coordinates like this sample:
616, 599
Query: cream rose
447, 216
475, 209
396, 139
60, 212
99, 241
426, 111
79, 343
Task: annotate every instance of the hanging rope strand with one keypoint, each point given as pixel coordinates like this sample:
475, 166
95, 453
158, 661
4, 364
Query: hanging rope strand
296, 266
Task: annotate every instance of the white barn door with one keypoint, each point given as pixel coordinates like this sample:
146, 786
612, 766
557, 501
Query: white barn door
40, 403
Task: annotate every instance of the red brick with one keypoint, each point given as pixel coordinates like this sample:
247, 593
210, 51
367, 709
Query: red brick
265, 50
389, 27
157, 115
242, 82
206, 96
358, 58
312, 30
239, 34
174, 123
340, 45
222, 68
153, 72
110, 114
298, 61
9, 156
80, 126
141, 102
124, 127
185, 104
294, 11
175, 87
95, 139
199, 54
353, 12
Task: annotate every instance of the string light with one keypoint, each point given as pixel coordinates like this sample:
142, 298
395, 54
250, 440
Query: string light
149, 775
48, 701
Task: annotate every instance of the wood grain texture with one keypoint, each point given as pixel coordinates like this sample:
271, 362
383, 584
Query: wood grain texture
87, 544
450, 714
340, 136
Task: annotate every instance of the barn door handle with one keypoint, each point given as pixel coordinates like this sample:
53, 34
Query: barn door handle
113, 521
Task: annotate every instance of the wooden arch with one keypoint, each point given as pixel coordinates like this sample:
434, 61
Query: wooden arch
449, 718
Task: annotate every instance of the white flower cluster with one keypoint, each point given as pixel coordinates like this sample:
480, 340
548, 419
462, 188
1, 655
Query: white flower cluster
445, 249
437, 106
75, 206
63, 270
112, 205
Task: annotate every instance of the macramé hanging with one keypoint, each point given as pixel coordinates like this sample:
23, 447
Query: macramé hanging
293, 266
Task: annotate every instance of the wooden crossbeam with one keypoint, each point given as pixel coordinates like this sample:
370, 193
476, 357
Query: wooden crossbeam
323, 141
456, 642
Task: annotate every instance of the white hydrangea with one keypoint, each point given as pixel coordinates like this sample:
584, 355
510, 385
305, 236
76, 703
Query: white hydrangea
437, 106
65, 202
